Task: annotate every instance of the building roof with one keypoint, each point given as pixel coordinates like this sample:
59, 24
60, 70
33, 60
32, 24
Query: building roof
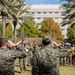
45, 6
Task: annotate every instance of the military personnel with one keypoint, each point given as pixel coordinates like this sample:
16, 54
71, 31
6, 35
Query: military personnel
29, 54
35, 46
45, 60
23, 61
7, 56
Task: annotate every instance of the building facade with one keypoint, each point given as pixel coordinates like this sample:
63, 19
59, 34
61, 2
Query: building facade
43, 11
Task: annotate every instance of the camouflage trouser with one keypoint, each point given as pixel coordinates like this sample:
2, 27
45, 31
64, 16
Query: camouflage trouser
23, 63
30, 57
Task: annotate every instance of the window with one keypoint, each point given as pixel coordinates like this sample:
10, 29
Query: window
44, 12
39, 18
33, 12
56, 12
39, 12
50, 12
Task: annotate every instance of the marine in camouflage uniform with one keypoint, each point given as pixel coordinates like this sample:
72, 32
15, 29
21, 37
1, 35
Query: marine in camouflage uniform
45, 60
23, 61
34, 46
7, 56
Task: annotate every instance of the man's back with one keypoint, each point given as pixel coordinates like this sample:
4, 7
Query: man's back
46, 61
7, 58
7, 61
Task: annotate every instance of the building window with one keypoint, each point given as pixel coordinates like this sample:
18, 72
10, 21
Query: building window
50, 12
33, 12
44, 12
39, 18
39, 12
56, 12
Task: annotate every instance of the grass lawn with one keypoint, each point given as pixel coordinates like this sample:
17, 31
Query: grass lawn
28, 72
68, 70
64, 70
17, 69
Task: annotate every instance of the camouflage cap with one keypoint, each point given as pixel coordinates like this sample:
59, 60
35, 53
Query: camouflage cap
46, 39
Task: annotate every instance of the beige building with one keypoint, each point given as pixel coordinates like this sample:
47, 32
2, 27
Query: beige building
43, 11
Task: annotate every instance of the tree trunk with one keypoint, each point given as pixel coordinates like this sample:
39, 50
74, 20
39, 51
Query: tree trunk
3, 25
3, 14
14, 34
14, 23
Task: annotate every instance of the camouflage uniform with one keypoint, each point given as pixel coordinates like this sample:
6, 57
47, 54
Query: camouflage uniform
23, 61
23, 64
7, 59
45, 61
34, 46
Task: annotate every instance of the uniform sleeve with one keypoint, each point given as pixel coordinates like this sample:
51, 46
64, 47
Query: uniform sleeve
55, 70
20, 52
35, 68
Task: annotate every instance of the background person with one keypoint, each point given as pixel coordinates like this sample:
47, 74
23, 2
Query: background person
23, 61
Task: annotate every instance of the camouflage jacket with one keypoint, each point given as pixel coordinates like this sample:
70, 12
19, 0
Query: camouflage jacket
7, 57
45, 62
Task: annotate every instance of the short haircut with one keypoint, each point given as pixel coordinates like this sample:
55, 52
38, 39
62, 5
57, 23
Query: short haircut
46, 40
3, 40
46, 43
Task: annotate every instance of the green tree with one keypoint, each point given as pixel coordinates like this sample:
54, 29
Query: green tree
57, 32
0, 30
9, 32
71, 34
3, 14
27, 29
69, 12
8, 7
49, 27
19, 17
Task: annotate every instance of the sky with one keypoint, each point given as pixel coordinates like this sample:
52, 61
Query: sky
43, 2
